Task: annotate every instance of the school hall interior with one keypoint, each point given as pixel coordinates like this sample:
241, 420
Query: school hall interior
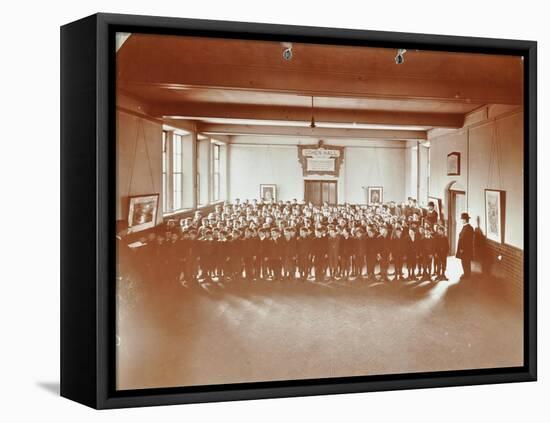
205, 121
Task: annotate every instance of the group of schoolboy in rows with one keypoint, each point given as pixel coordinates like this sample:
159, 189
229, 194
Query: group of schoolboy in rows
255, 240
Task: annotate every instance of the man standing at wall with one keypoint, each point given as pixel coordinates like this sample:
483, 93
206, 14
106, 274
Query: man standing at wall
465, 248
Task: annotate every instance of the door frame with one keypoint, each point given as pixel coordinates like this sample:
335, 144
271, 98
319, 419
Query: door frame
453, 235
334, 181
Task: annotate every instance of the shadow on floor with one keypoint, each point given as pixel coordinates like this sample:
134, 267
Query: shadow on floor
51, 387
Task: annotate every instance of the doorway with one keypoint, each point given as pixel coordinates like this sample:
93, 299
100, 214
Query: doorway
318, 192
457, 205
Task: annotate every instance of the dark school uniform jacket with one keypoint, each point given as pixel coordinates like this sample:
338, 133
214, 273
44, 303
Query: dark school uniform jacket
275, 249
333, 244
465, 248
303, 246
399, 246
319, 246
432, 217
371, 245
347, 247
441, 246
289, 248
427, 246
384, 245
412, 246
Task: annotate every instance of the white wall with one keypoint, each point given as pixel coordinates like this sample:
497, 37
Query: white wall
252, 165
375, 166
139, 173
483, 166
270, 160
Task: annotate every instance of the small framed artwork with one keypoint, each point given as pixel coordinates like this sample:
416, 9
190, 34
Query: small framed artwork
375, 195
268, 192
142, 212
494, 214
453, 164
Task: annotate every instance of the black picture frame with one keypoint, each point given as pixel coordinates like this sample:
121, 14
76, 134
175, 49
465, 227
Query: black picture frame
454, 158
88, 241
500, 221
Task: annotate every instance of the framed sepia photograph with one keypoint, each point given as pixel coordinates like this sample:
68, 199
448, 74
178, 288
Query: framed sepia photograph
494, 214
183, 282
453, 164
142, 212
375, 195
268, 192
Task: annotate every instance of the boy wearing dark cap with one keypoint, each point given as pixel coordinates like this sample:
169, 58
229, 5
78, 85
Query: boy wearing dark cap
431, 215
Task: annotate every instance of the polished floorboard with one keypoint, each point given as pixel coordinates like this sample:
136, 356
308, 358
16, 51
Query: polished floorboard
170, 336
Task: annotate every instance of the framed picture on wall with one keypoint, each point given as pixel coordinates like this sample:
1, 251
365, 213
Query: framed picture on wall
375, 195
268, 192
125, 311
494, 214
142, 212
453, 164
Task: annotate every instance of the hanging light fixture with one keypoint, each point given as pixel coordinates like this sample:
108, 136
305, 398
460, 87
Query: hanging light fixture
312, 124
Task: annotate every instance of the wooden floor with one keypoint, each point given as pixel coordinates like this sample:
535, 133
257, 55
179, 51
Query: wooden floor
179, 336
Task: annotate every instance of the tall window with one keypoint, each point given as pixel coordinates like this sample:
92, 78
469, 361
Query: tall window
177, 172
164, 171
216, 172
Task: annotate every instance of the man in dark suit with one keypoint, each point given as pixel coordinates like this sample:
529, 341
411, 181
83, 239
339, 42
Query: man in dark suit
465, 248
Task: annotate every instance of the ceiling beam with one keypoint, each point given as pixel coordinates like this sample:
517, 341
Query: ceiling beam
271, 130
331, 84
201, 111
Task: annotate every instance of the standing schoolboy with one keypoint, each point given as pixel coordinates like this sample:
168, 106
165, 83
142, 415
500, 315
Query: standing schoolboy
412, 253
320, 248
360, 253
275, 255
289, 252
262, 254
427, 253
303, 247
398, 251
383, 253
441, 242
333, 244
346, 253
371, 251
